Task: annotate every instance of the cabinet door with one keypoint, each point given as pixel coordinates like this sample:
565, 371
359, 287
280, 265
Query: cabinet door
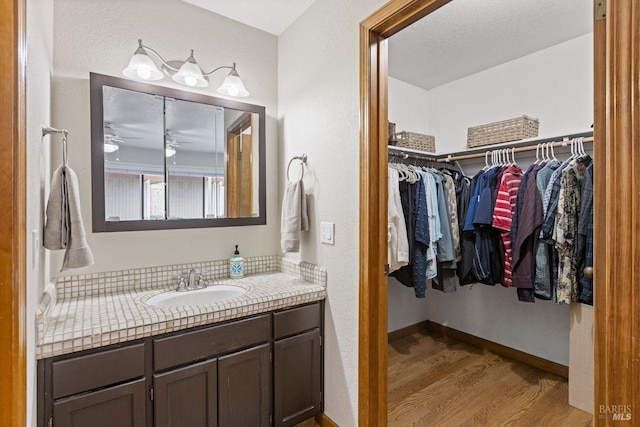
122, 406
244, 388
186, 397
297, 378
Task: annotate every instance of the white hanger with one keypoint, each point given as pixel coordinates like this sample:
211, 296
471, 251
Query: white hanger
553, 153
486, 161
537, 154
513, 157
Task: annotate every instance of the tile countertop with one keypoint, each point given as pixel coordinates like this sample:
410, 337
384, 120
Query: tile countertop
73, 320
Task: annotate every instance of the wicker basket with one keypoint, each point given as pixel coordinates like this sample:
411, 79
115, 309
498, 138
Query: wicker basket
416, 141
503, 131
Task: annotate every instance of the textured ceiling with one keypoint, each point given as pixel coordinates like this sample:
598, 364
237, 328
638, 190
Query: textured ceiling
273, 16
468, 36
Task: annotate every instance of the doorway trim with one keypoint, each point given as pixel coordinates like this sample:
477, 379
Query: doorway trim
13, 379
617, 150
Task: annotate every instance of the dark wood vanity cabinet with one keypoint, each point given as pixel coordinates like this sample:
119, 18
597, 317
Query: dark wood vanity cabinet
123, 405
258, 371
297, 363
187, 396
244, 388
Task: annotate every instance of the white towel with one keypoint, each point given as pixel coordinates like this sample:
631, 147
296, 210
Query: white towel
294, 216
64, 228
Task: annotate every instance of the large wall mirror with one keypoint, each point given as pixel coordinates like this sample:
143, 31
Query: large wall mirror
165, 158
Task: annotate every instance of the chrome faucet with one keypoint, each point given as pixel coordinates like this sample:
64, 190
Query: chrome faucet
194, 282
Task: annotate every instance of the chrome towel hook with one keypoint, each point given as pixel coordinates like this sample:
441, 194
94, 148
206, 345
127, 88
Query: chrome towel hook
47, 130
303, 159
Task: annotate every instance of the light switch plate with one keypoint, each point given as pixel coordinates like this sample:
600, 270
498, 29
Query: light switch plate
327, 233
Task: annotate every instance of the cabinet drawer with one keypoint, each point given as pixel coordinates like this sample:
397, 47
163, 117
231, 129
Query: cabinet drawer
97, 370
296, 320
197, 345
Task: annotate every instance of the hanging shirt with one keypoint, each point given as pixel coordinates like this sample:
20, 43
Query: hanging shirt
550, 201
527, 238
434, 223
408, 190
486, 258
519, 199
397, 241
503, 214
422, 239
445, 280
544, 253
452, 205
479, 182
585, 230
464, 187
567, 230
445, 250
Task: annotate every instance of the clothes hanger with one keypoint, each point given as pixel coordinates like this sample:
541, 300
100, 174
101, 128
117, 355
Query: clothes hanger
537, 155
514, 163
553, 153
486, 161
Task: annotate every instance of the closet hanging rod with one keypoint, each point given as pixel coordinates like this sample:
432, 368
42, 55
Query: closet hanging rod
405, 155
450, 158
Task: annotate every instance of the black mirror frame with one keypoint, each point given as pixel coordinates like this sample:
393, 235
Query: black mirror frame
99, 223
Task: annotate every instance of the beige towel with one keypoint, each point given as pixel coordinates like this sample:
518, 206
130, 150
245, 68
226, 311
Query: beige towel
64, 228
294, 216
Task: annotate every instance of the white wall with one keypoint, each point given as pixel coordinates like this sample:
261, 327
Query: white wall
91, 36
408, 106
408, 109
554, 85
39, 63
318, 104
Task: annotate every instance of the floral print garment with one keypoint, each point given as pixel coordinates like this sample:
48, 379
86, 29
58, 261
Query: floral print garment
566, 230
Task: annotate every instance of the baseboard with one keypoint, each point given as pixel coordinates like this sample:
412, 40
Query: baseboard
324, 421
502, 350
407, 330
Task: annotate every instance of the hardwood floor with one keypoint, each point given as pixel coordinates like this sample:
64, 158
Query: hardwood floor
436, 381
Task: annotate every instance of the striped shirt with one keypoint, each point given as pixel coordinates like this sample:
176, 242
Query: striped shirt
503, 214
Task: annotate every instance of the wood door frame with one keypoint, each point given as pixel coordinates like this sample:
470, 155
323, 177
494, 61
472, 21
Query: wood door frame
12, 213
617, 308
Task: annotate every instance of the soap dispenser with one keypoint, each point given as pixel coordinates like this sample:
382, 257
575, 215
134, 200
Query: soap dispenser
236, 265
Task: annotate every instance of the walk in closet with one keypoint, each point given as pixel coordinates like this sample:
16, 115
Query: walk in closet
498, 250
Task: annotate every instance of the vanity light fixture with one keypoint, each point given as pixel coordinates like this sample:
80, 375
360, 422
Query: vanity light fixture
189, 73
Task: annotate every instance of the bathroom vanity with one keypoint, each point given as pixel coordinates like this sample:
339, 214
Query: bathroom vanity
259, 369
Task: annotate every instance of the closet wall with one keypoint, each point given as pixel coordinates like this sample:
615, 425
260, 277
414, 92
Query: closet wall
553, 85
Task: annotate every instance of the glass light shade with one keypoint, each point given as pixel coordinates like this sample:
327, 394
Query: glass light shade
110, 147
169, 152
141, 67
233, 86
190, 75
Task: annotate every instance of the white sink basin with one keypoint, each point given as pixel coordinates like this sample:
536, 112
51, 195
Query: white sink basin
209, 295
